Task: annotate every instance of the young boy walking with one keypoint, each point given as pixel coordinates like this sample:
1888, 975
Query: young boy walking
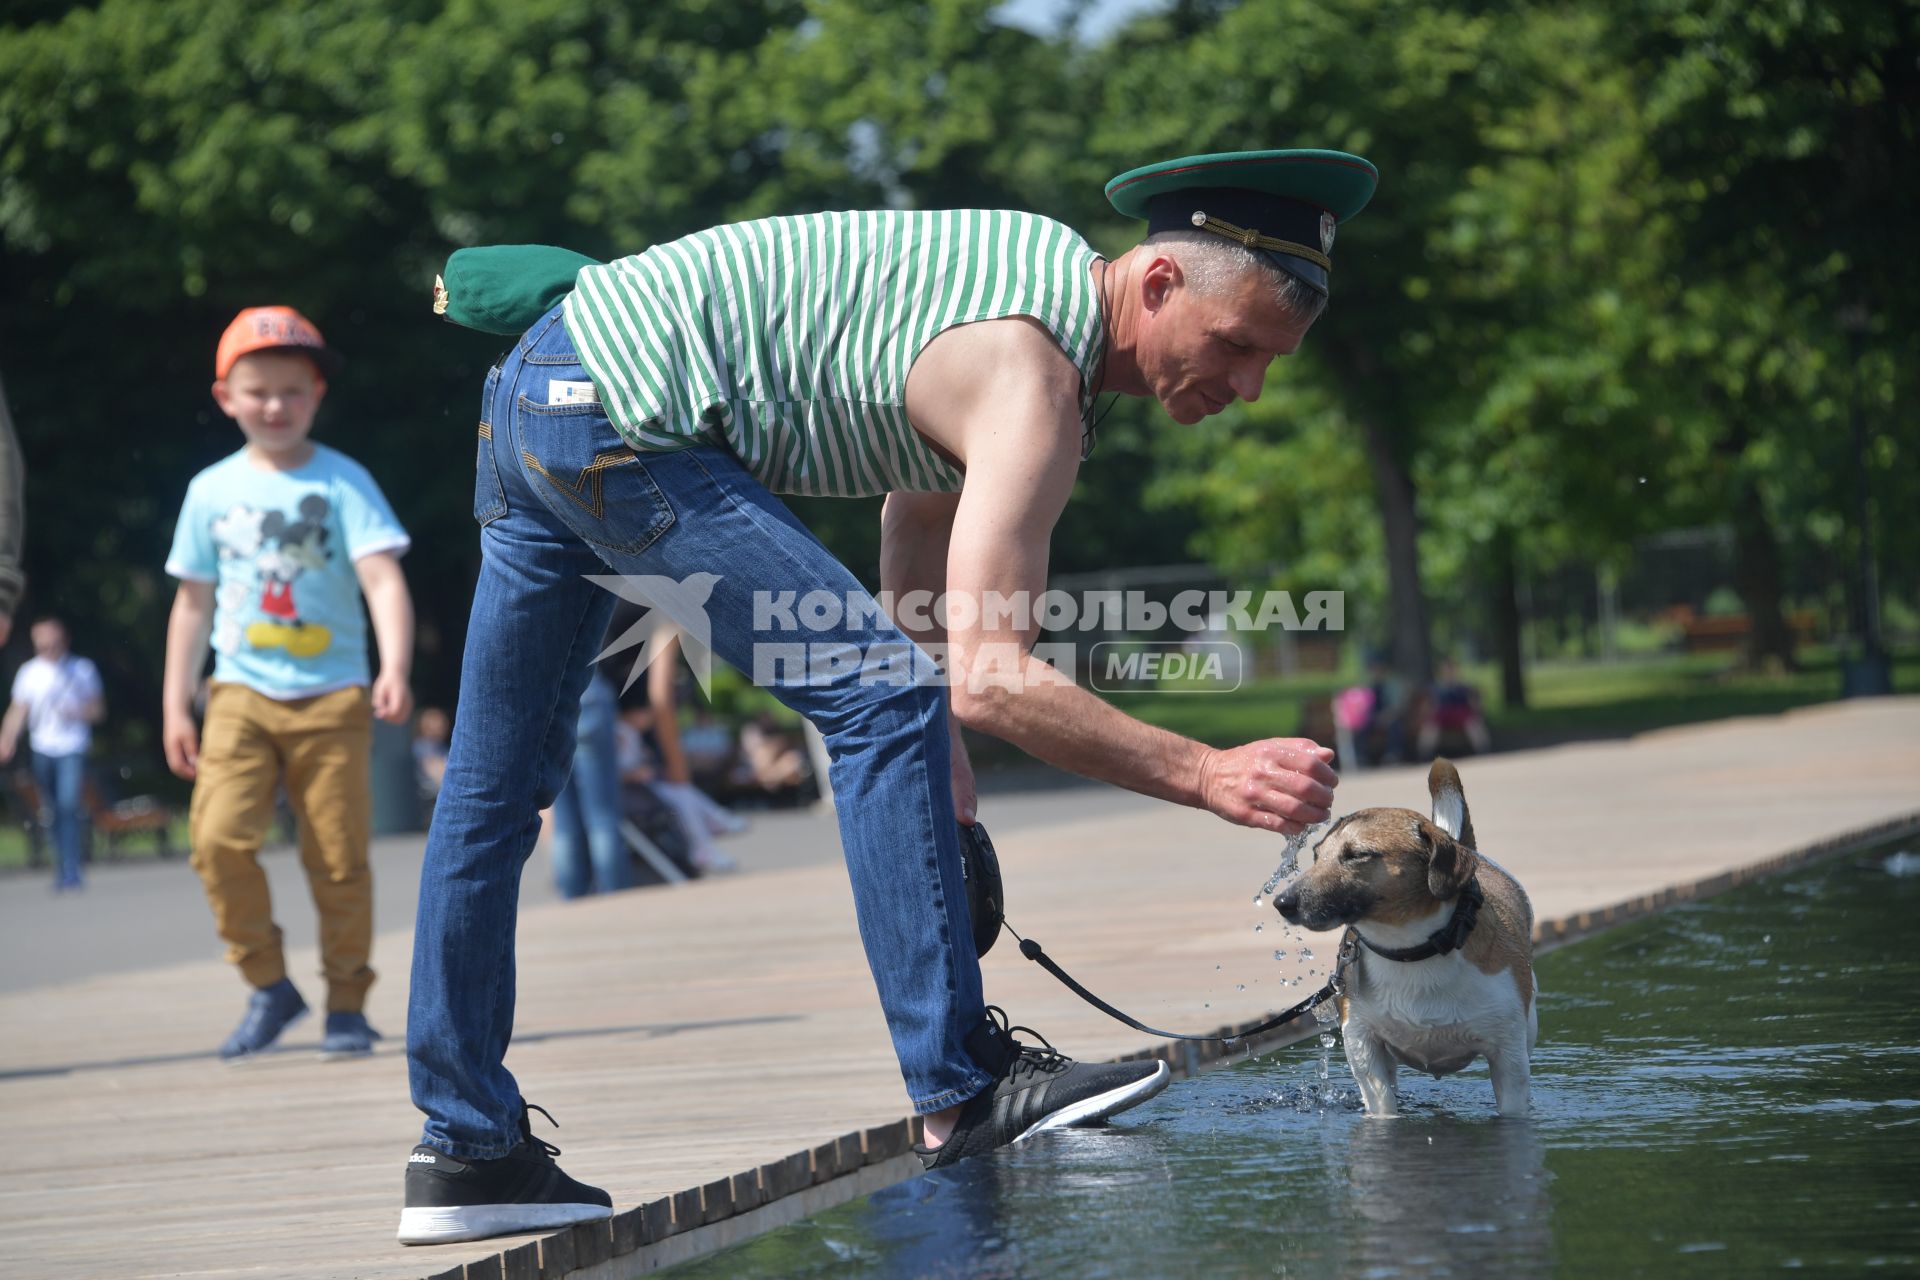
275, 547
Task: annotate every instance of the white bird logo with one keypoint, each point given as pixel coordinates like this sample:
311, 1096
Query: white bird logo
671, 603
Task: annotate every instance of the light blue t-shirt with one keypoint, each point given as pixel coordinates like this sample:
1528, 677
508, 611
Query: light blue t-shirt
279, 547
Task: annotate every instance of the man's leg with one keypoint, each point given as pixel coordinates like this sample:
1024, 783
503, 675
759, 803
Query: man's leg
62, 781
327, 743
536, 623
714, 539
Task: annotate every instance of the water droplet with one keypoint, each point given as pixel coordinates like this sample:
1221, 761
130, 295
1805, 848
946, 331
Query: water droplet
1767, 938
1257, 928
1279, 955
1216, 968
1239, 986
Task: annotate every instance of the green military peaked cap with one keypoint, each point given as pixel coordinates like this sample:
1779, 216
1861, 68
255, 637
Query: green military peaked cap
1285, 204
504, 288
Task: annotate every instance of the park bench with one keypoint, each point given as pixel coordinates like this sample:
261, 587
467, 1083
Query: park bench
114, 821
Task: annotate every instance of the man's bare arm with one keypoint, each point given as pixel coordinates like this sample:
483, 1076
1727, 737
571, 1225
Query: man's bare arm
1018, 434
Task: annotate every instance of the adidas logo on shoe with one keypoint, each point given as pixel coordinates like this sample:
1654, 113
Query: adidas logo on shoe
449, 1199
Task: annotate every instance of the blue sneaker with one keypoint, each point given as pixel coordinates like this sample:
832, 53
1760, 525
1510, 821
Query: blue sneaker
348, 1036
269, 1011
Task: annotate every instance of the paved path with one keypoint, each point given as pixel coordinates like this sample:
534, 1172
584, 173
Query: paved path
681, 1035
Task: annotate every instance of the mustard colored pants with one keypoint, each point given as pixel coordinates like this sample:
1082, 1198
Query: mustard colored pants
320, 748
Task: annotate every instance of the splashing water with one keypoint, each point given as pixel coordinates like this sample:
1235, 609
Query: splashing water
1289, 863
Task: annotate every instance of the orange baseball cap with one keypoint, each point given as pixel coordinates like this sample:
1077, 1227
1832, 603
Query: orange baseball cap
273, 329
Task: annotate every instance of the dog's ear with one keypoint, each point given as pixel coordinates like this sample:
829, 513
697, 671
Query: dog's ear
1450, 865
1450, 802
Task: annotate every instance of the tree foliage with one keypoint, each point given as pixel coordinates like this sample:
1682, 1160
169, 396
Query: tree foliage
1600, 291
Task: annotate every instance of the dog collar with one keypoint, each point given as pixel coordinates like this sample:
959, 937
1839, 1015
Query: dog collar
1450, 936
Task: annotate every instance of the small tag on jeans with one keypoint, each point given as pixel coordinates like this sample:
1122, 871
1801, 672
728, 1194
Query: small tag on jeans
572, 393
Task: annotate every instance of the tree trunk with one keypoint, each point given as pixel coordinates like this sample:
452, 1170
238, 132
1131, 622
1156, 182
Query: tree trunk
1506, 620
1756, 577
1406, 602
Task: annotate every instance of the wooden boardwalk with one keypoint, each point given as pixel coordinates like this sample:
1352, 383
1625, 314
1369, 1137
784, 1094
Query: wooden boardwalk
683, 1036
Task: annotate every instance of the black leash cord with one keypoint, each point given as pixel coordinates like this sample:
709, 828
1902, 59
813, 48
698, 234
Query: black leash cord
1032, 951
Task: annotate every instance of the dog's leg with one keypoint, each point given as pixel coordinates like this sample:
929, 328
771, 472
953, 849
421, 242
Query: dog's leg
1512, 1071
1374, 1069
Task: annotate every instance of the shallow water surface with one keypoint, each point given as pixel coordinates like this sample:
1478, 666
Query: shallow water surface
1727, 1089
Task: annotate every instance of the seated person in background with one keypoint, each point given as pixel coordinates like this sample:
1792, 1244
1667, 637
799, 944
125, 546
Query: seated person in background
771, 760
659, 761
1454, 708
432, 733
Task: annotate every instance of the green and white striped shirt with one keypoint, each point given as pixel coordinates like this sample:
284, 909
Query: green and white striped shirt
789, 340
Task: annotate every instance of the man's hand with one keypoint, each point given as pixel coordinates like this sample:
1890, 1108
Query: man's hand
181, 740
392, 699
1278, 784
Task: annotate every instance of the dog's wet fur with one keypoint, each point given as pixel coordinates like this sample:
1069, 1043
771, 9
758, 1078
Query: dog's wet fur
1395, 876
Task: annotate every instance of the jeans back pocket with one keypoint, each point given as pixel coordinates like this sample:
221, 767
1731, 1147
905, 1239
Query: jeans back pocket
589, 477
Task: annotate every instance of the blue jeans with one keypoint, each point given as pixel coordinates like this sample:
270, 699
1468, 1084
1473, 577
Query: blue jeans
588, 852
62, 783
559, 496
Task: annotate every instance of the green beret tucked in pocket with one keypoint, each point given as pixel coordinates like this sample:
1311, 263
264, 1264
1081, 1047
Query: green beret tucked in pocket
504, 288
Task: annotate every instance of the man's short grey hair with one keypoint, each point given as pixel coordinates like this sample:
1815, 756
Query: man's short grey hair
1209, 264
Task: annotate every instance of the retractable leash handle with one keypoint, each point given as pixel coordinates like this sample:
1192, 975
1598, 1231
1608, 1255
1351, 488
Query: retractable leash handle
986, 899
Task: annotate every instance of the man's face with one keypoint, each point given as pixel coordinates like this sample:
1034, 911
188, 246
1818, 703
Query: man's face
1201, 352
273, 397
49, 639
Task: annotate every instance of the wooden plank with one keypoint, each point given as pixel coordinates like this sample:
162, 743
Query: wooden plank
826, 1161
488, 1268
789, 1176
716, 1200
629, 1228
850, 1151
747, 1191
884, 1142
592, 1243
687, 1210
556, 1254
522, 1262
656, 1220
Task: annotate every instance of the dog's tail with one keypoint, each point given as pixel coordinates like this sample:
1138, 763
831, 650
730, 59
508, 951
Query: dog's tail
1450, 803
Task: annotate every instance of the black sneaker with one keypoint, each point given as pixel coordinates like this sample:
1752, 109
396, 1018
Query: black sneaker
449, 1199
1039, 1088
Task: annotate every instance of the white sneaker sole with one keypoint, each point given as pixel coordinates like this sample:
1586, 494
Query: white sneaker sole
1102, 1105
478, 1221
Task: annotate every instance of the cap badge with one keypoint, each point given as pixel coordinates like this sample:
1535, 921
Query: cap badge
1326, 232
439, 296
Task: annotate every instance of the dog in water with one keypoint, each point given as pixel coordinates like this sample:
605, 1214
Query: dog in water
1441, 946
